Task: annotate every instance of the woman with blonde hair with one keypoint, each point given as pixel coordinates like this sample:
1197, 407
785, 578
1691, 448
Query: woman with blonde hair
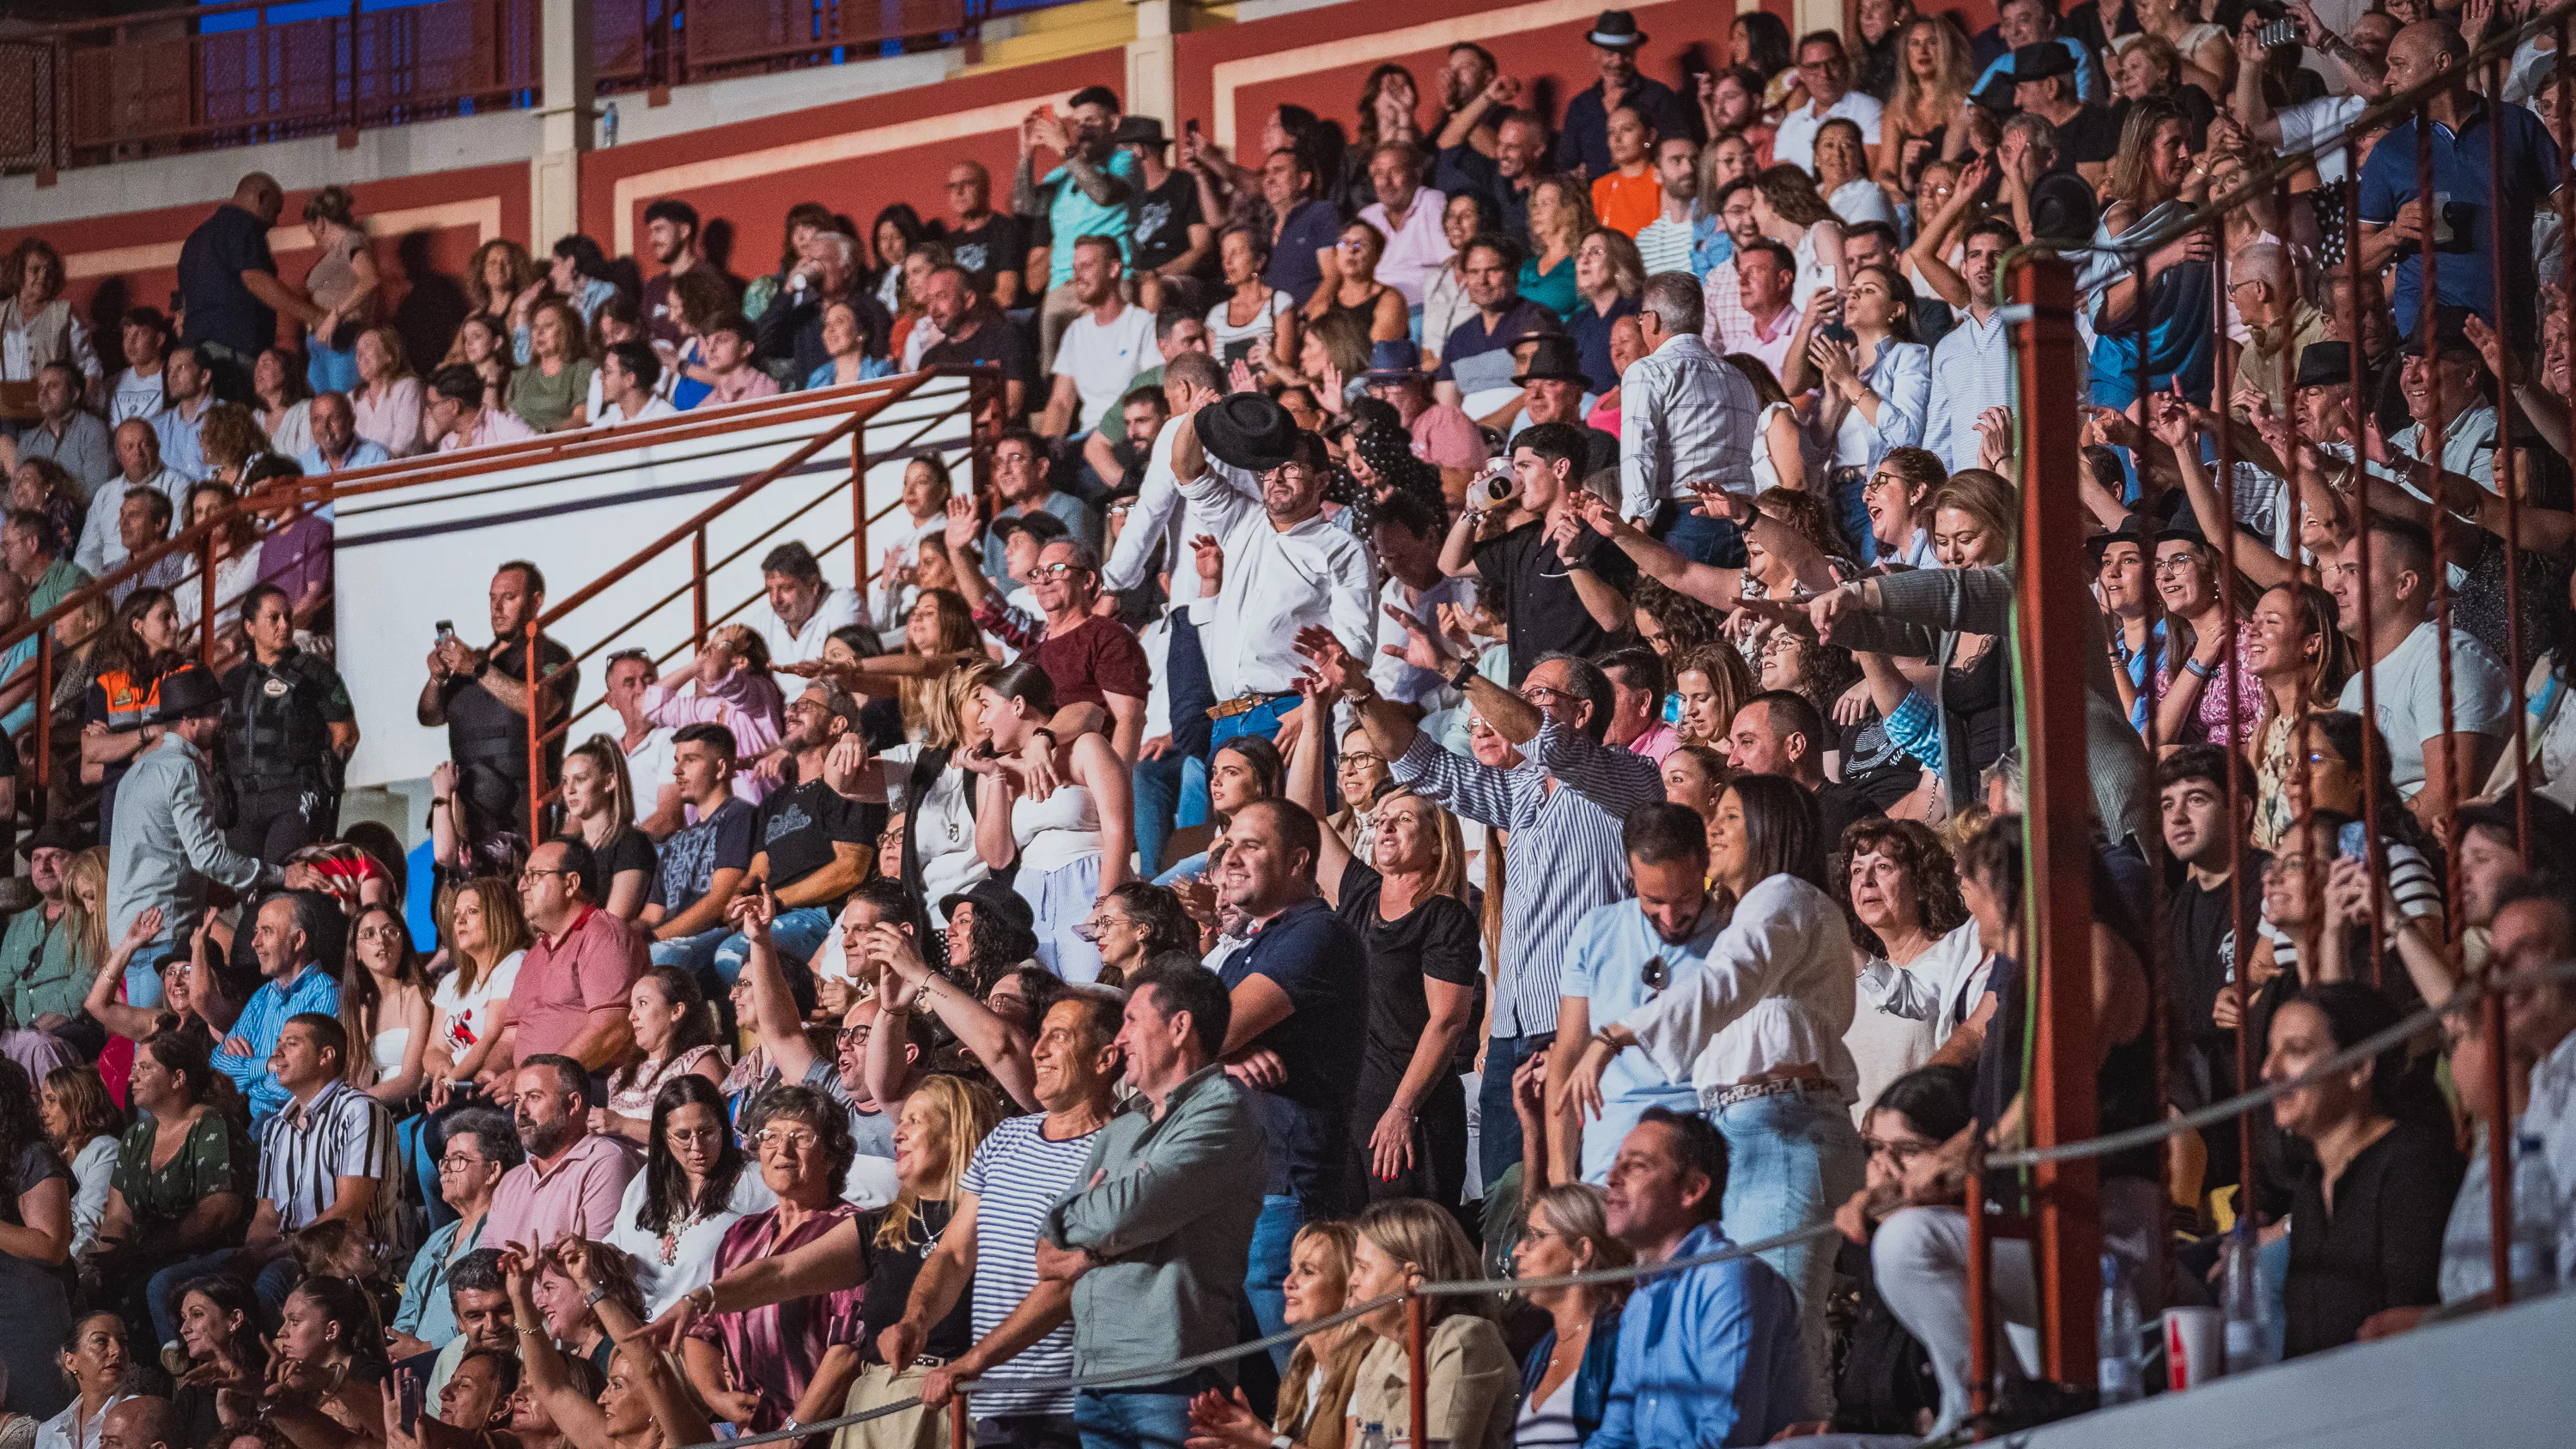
1609, 279
552, 392
1565, 1380
1933, 77
1473, 1383
599, 805
1409, 1111
498, 273
1560, 216
1964, 722
83, 1124
385, 1007
2206, 57
487, 937
1315, 1395
933, 790
387, 397
1712, 682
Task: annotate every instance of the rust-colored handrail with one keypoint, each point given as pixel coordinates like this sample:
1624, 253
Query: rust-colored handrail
981, 381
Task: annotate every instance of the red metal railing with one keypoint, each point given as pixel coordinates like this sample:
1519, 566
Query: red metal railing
96, 91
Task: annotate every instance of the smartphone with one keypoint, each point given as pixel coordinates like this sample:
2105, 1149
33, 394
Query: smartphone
2353, 841
2284, 31
1190, 128
1837, 332
446, 630
408, 1395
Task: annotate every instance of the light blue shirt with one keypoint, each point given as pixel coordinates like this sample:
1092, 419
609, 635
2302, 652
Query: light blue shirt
181, 452
1901, 375
1073, 215
1971, 372
262, 1018
428, 1310
1605, 965
363, 453
2089, 85
1707, 1357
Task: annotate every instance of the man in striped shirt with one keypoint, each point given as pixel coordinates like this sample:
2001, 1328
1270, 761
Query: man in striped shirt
296, 931
328, 1154
1564, 804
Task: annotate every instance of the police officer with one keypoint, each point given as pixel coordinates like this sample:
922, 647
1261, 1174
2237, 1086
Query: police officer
288, 727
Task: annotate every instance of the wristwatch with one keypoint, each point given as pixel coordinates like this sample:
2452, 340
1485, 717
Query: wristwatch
592, 1297
1463, 675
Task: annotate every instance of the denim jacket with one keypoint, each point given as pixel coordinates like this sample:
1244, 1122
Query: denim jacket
1591, 1377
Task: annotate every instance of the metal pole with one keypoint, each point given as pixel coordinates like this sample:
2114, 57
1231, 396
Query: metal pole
2363, 406
1417, 1335
2500, 1126
206, 598
2427, 302
2058, 819
2220, 394
859, 512
698, 588
44, 719
961, 1424
537, 784
1981, 1250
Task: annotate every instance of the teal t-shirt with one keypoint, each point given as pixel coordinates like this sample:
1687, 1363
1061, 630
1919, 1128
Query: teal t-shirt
1073, 215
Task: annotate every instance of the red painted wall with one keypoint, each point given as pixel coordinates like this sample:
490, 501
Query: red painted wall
745, 209
420, 268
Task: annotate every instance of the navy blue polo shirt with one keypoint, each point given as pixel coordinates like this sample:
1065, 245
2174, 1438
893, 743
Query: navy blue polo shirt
1312, 226
2464, 273
1321, 965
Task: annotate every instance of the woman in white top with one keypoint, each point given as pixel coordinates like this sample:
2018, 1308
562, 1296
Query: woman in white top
1759, 1032
928, 784
1784, 459
1565, 1375
1070, 835
1315, 1397
385, 1006
1252, 313
1917, 952
237, 547
1445, 303
674, 1037
84, 1125
387, 399
97, 1366
1788, 209
282, 403
1842, 175
693, 1188
487, 937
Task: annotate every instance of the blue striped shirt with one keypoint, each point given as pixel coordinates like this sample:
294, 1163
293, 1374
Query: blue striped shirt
1564, 856
1018, 1176
262, 1018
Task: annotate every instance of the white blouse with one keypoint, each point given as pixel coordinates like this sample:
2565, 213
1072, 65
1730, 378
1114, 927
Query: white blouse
943, 827
66, 1429
466, 1018
92, 1171
1940, 986
669, 1268
1776, 991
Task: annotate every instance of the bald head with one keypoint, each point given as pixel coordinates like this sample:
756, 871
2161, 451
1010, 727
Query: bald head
142, 1422
2421, 51
259, 195
138, 449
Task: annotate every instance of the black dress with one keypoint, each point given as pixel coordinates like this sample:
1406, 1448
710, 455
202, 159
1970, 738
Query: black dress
2381, 1246
40, 1305
1436, 940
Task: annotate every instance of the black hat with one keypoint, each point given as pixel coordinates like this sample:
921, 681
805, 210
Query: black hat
1248, 430
188, 692
1139, 131
991, 895
1997, 94
2326, 364
1554, 357
1037, 523
2040, 61
54, 834
2185, 526
1616, 30
2100, 543
2551, 825
2450, 335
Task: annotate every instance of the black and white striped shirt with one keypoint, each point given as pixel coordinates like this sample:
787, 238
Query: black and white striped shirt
1564, 856
305, 1149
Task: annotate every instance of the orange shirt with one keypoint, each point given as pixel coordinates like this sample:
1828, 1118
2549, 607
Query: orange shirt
1627, 203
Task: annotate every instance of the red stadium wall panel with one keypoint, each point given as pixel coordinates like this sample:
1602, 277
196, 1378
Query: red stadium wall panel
853, 156
424, 230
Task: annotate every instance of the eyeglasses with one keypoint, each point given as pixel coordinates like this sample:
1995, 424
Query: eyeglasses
693, 1135
1056, 571
799, 1143
457, 1162
1880, 481
2176, 563
1361, 759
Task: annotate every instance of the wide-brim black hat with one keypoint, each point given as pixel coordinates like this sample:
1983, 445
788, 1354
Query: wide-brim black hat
1248, 430
991, 896
187, 692
2326, 364
2041, 61
54, 834
1553, 357
1139, 131
2100, 543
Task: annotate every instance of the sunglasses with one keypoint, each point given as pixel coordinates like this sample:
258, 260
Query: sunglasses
1657, 973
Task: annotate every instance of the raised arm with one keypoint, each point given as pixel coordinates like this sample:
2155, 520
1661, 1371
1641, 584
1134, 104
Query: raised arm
1306, 788
773, 1008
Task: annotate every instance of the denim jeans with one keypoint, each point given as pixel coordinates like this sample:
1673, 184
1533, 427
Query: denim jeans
1845, 494
1266, 1273
798, 933
1696, 536
1263, 721
1791, 1161
1498, 1123
1156, 1417
1161, 785
693, 954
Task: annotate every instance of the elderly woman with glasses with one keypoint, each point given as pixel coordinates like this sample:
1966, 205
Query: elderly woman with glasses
763, 1368
481, 1145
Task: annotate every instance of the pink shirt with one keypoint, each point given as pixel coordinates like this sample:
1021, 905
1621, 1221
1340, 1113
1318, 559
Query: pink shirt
1656, 743
495, 426
564, 979
743, 382
579, 1194
1445, 437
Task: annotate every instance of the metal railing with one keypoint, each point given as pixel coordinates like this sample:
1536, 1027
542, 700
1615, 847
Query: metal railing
92, 92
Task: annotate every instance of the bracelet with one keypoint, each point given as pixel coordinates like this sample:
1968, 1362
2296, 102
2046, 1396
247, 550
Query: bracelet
705, 1298
1464, 675
2196, 669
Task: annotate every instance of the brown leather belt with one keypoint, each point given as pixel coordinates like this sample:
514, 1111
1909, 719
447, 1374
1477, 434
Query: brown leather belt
1244, 703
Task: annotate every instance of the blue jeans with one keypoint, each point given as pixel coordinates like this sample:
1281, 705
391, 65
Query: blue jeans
142, 982
1498, 1124
1696, 536
1791, 1161
1154, 1417
1266, 1273
693, 954
1161, 786
1851, 512
798, 933
1263, 721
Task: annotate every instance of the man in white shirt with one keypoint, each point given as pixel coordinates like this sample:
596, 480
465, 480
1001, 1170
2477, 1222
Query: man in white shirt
1103, 349
800, 610
1972, 363
1686, 417
1826, 69
1160, 516
1261, 479
138, 459
1407, 214
630, 375
2404, 655
656, 790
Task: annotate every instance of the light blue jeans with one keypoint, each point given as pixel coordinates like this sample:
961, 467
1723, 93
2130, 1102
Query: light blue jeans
1265, 1273
1791, 1161
798, 933
1149, 1418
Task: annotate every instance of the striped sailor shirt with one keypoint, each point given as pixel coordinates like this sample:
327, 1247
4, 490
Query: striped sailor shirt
308, 1146
1564, 806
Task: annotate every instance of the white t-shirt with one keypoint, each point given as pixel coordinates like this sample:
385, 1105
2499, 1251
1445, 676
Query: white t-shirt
2409, 686
648, 769
688, 1262
607, 414
943, 827
466, 1018
1103, 360
133, 396
837, 609
1795, 141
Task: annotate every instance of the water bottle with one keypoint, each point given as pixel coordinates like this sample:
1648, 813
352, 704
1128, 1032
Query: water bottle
1373, 1436
2118, 1337
608, 124
2249, 1331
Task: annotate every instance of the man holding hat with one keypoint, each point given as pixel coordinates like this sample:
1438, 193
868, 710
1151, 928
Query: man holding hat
1443, 435
1583, 145
1259, 479
165, 847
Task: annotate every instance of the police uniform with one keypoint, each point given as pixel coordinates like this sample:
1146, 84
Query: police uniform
488, 740
277, 753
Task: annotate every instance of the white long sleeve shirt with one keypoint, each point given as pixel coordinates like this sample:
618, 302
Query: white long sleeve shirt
1160, 515
1776, 991
1277, 581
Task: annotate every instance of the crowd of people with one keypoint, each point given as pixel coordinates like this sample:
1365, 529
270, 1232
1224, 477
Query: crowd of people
1365, 802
